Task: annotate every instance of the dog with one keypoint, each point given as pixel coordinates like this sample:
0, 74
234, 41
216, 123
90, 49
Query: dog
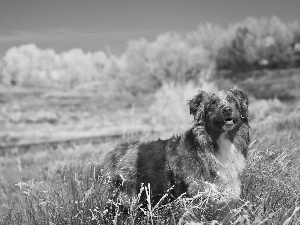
213, 150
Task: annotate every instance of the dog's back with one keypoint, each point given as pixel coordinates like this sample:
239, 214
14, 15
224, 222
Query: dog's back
132, 164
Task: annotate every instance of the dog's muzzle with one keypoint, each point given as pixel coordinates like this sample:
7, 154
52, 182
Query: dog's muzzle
227, 114
226, 111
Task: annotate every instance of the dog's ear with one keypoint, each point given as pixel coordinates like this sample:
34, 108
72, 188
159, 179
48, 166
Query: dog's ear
243, 100
197, 105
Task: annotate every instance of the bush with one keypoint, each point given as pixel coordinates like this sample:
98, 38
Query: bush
167, 60
30, 66
257, 44
169, 108
172, 58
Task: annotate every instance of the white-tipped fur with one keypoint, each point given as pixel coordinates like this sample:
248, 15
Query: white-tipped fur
222, 97
230, 165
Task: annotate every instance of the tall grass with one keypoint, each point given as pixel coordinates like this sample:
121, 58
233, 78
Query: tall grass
78, 194
73, 191
65, 186
271, 182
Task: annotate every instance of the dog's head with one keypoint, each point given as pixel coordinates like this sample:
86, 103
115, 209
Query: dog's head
220, 111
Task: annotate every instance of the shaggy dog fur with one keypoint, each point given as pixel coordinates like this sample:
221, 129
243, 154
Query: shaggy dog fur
213, 150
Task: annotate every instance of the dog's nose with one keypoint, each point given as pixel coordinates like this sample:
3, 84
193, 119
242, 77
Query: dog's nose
226, 111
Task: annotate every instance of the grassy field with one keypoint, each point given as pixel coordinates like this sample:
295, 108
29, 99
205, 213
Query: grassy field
59, 185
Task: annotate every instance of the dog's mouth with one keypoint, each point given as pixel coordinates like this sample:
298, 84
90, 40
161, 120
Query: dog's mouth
226, 123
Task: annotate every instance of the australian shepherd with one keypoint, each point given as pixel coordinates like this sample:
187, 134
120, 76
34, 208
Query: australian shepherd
213, 150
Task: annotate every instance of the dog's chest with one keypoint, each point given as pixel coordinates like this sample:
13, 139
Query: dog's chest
230, 163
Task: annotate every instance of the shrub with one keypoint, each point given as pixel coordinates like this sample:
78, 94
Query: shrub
169, 108
257, 44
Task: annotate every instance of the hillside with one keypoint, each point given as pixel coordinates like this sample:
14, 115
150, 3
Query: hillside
33, 115
46, 96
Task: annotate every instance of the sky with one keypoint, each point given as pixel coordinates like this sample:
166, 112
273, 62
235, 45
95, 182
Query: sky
94, 25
